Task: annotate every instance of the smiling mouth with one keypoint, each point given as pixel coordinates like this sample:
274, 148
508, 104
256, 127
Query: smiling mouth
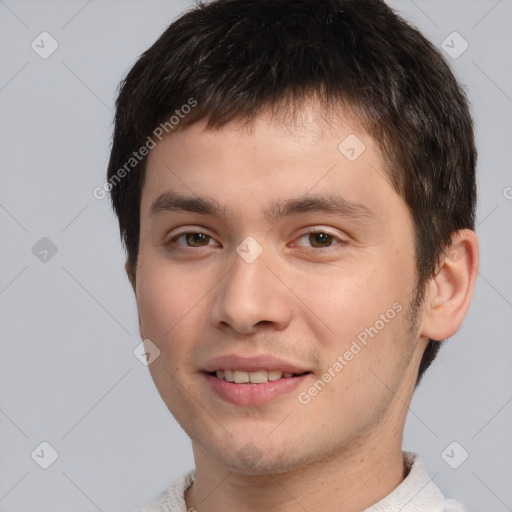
256, 377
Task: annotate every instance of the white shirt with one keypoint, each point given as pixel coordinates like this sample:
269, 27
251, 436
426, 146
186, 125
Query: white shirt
416, 493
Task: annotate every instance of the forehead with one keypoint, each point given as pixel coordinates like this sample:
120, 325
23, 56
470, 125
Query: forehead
272, 157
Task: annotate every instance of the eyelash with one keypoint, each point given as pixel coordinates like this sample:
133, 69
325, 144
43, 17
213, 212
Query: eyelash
172, 243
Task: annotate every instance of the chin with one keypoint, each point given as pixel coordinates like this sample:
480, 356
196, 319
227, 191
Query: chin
264, 466
256, 458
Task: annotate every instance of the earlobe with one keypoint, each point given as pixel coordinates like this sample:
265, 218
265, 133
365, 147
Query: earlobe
131, 278
130, 275
449, 292
141, 330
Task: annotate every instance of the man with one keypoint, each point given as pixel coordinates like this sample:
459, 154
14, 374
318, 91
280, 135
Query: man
295, 187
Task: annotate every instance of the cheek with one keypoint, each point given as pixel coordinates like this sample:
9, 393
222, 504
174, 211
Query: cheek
349, 300
365, 308
168, 301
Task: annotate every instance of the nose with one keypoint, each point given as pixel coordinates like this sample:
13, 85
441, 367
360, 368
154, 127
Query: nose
251, 296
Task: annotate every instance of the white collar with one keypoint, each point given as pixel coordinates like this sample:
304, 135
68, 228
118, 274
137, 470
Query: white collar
416, 493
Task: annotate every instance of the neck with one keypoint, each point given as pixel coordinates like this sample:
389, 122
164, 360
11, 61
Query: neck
353, 479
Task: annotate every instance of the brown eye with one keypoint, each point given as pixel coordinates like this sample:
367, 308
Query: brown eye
196, 239
191, 239
320, 239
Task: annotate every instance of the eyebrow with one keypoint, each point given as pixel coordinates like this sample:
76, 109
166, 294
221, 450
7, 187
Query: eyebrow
325, 203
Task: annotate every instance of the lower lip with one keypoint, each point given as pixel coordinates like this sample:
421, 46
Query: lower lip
253, 394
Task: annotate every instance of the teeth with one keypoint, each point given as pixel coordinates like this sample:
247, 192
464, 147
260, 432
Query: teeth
274, 375
240, 377
257, 377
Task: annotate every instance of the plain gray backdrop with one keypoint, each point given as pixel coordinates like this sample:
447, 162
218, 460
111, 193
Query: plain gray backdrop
68, 375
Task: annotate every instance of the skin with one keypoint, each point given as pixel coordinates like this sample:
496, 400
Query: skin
199, 299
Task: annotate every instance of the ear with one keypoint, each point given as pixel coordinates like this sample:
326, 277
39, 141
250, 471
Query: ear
141, 330
449, 292
130, 274
131, 278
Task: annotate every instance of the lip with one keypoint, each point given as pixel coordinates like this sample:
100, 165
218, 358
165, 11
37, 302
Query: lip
253, 394
252, 364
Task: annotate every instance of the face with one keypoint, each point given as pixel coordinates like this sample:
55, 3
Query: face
272, 247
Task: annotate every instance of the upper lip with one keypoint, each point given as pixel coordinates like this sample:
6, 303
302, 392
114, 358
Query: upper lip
251, 364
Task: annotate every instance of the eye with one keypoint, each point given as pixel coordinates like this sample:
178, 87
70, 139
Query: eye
320, 239
191, 239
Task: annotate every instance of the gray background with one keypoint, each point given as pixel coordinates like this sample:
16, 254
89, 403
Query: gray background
68, 375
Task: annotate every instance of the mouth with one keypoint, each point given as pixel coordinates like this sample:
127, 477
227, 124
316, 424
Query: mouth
254, 381
253, 377
254, 388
